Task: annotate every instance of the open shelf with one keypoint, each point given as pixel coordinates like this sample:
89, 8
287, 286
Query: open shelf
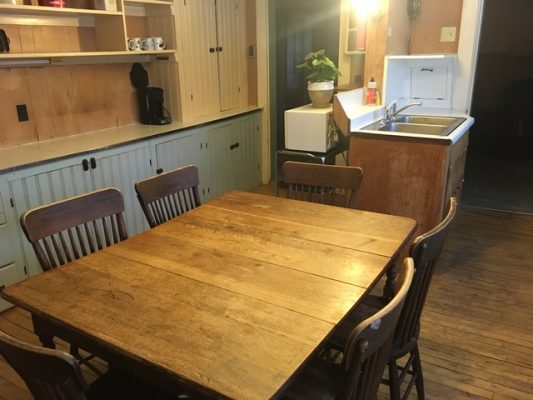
149, 2
11, 9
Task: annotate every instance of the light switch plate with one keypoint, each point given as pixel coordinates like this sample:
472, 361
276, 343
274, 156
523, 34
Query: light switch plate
447, 33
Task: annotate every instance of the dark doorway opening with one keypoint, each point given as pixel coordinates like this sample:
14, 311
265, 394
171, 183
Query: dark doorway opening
499, 170
301, 26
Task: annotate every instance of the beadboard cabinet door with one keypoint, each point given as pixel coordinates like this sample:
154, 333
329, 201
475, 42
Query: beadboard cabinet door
53, 181
180, 150
212, 55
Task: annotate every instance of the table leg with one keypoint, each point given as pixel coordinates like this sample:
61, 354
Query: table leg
45, 337
391, 285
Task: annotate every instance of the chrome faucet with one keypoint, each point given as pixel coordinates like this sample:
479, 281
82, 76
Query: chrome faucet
390, 112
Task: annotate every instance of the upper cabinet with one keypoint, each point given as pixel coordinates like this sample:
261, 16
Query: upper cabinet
55, 35
212, 53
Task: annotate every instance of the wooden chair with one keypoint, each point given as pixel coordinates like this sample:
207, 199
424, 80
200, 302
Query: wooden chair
358, 375
425, 251
165, 196
69, 229
72, 228
327, 184
55, 375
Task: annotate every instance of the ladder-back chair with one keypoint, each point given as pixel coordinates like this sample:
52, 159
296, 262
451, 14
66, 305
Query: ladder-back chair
165, 196
55, 375
327, 184
425, 251
358, 375
72, 228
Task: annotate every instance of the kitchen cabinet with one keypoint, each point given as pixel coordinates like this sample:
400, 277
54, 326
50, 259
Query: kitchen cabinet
66, 35
227, 154
46, 183
407, 176
213, 56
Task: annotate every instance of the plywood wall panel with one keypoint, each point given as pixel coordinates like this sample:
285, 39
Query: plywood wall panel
435, 14
14, 91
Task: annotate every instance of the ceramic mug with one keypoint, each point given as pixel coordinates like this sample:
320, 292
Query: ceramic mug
147, 43
135, 44
159, 43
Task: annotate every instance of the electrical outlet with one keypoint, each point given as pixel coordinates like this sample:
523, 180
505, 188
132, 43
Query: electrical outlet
22, 112
447, 34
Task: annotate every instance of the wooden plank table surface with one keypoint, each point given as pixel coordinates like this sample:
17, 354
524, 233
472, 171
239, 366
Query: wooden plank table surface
229, 299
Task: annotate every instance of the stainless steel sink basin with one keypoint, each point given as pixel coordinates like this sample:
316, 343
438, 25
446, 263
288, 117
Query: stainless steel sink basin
418, 125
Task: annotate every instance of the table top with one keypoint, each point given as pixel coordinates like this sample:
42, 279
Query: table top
232, 297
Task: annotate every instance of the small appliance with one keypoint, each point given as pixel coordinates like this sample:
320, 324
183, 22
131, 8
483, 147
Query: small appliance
150, 99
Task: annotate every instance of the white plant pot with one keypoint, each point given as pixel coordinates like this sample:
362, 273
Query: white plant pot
320, 93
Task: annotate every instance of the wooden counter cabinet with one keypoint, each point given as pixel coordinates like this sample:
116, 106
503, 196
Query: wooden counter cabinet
409, 177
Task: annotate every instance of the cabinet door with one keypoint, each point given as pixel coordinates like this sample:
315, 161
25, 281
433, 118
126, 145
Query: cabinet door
187, 149
11, 264
234, 155
198, 58
231, 51
122, 170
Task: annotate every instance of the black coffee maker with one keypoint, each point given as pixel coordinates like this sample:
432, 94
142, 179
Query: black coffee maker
150, 99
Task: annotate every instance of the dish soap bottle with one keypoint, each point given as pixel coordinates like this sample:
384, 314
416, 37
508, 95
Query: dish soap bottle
372, 92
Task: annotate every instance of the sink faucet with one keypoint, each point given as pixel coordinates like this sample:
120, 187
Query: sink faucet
391, 112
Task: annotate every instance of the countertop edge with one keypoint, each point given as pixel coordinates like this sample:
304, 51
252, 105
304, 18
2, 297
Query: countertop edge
31, 154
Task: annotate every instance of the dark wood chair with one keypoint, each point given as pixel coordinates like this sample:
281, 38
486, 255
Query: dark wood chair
165, 196
425, 251
72, 228
327, 184
55, 375
358, 375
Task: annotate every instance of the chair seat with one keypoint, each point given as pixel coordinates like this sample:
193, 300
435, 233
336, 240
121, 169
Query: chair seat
118, 385
368, 307
320, 380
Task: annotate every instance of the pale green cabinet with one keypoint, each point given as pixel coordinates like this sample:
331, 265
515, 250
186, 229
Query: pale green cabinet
120, 168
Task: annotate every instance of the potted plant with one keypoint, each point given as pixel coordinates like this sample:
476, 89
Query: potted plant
321, 77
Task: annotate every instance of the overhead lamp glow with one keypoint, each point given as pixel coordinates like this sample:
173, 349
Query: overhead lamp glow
367, 8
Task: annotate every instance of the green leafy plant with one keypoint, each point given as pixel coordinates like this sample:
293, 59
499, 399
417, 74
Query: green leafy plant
320, 67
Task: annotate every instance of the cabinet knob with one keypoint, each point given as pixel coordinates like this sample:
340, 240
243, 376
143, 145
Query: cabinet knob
93, 163
211, 49
219, 48
85, 164
159, 171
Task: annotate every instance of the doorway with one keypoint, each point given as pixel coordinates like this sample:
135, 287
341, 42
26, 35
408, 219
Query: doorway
297, 28
500, 157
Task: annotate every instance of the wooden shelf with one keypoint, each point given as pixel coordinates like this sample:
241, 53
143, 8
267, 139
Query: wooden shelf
12, 9
149, 2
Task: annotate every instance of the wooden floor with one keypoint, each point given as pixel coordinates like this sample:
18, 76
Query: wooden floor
477, 327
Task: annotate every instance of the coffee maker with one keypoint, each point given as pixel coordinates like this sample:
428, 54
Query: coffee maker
150, 99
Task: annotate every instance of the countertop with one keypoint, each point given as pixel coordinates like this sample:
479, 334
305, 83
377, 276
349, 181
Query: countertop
15, 157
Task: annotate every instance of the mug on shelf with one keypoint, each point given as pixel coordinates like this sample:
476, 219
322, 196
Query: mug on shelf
135, 44
148, 43
159, 43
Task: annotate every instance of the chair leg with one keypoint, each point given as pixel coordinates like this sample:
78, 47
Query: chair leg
417, 369
394, 382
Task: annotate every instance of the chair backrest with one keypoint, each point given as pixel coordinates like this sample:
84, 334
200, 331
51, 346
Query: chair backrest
75, 227
49, 374
367, 347
322, 183
165, 196
425, 251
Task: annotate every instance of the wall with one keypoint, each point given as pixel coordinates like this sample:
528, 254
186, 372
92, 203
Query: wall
435, 14
64, 100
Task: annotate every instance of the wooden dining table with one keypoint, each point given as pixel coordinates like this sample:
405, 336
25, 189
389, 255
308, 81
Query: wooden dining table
229, 300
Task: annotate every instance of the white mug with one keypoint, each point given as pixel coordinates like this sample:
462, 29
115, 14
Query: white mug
159, 43
147, 43
134, 44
